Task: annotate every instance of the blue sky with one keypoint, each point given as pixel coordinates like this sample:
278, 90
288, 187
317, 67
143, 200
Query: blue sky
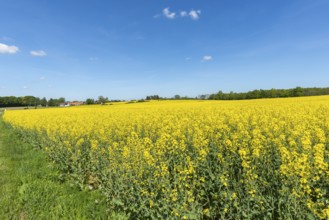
129, 49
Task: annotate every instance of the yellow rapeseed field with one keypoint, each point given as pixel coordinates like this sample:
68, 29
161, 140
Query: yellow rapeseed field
251, 159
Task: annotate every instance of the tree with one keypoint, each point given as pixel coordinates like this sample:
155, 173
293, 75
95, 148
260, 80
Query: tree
298, 91
220, 94
177, 97
29, 100
102, 99
202, 97
153, 97
51, 102
61, 100
90, 101
43, 102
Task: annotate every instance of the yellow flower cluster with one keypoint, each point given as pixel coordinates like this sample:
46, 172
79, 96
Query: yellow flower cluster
194, 159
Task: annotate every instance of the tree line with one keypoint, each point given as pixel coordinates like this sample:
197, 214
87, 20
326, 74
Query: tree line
26, 101
271, 93
32, 101
254, 94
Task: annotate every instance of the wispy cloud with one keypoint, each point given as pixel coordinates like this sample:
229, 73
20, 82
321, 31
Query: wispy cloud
207, 58
42, 78
25, 87
38, 53
6, 49
166, 12
188, 58
195, 14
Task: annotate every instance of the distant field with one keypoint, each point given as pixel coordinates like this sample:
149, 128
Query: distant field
18, 108
12, 108
251, 159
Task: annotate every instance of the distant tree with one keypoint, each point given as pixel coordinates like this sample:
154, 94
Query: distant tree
90, 101
52, 102
43, 102
298, 91
116, 100
153, 97
29, 100
177, 97
231, 95
272, 93
37, 101
61, 100
220, 94
202, 97
102, 99
212, 97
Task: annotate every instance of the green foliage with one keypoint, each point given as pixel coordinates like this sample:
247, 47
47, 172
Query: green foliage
272, 93
90, 101
43, 102
13, 101
153, 97
56, 102
211, 199
31, 188
102, 99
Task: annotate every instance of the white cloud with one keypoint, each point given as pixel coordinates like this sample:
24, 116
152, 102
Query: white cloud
207, 58
6, 49
42, 78
25, 87
168, 14
38, 53
195, 15
183, 14
188, 58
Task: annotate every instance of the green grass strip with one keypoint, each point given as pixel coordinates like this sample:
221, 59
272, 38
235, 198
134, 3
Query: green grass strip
30, 187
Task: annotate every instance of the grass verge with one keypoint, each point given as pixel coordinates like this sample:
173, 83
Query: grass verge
31, 187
